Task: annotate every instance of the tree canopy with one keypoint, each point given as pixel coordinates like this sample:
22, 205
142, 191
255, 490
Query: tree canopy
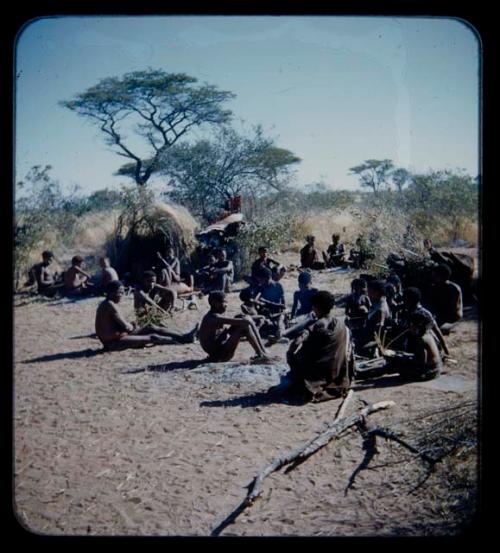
160, 107
374, 173
205, 174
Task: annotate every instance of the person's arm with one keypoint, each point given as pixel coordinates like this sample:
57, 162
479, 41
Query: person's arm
117, 317
232, 321
81, 271
440, 337
138, 300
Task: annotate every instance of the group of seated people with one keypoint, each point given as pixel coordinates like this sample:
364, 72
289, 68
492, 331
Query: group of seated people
382, 309
322, 347
311, 257
72, 282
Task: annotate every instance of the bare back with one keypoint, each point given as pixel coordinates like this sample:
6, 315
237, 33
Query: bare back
210, 331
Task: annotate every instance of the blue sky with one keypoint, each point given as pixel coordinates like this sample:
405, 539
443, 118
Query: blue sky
334, 90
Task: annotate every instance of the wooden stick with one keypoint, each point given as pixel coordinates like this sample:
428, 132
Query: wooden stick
334, 429
152, 302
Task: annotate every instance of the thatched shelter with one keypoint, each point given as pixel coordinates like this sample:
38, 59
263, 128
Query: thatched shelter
150, 228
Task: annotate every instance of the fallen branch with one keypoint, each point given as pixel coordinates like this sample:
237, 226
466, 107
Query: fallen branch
334, 429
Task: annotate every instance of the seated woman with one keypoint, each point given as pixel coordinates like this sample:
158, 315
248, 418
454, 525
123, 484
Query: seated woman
321, 359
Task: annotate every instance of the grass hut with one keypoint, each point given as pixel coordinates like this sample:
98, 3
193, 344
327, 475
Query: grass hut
150, 228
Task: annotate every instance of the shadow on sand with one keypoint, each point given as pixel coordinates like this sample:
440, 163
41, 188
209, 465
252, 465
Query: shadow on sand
257, 399
166, 367
89, 352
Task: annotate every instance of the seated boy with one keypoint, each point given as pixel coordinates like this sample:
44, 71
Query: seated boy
220, 335
271, 300
107, 274
335, 253
357, 304
320, 358
76, 280
377, 319
248, 307
222, 272
302, 297
116, 333
171, 273
412, 305
161, 295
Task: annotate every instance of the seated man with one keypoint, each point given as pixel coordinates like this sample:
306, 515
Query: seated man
219, 335
248, 307
302, 297
107, 274
309, 255
47, 284
76, 280
116, 333
335, 253
271, 300
445, 299
320, 358
411, 305
264, 260
160, 295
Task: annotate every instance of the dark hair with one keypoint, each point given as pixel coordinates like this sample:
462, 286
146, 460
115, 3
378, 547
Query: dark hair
77, 259
262, 248
218, 251
216, 296
412, 294
149, 274
324, 300
47, 253
394, 279
264, 272
113, 286
246, 294
377, 286
336, 236
358, 283
443, 270
305, 277
421, 319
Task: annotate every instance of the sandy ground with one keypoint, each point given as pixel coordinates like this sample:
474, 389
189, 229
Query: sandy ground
154, 442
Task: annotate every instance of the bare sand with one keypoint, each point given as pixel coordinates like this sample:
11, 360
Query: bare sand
155, 442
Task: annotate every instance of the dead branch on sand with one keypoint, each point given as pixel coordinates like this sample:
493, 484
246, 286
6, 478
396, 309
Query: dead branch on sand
334, 429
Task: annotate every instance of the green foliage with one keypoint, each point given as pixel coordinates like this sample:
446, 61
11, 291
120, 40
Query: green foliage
157, 106
42, 208
276, 231
442, 199
205, 174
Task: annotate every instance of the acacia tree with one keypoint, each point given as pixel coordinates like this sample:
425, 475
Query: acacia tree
374, 173
400, 177
205, 174
160, 107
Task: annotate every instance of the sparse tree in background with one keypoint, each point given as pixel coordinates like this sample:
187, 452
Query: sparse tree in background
400, 177
205, 174
374, 173
159, 107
